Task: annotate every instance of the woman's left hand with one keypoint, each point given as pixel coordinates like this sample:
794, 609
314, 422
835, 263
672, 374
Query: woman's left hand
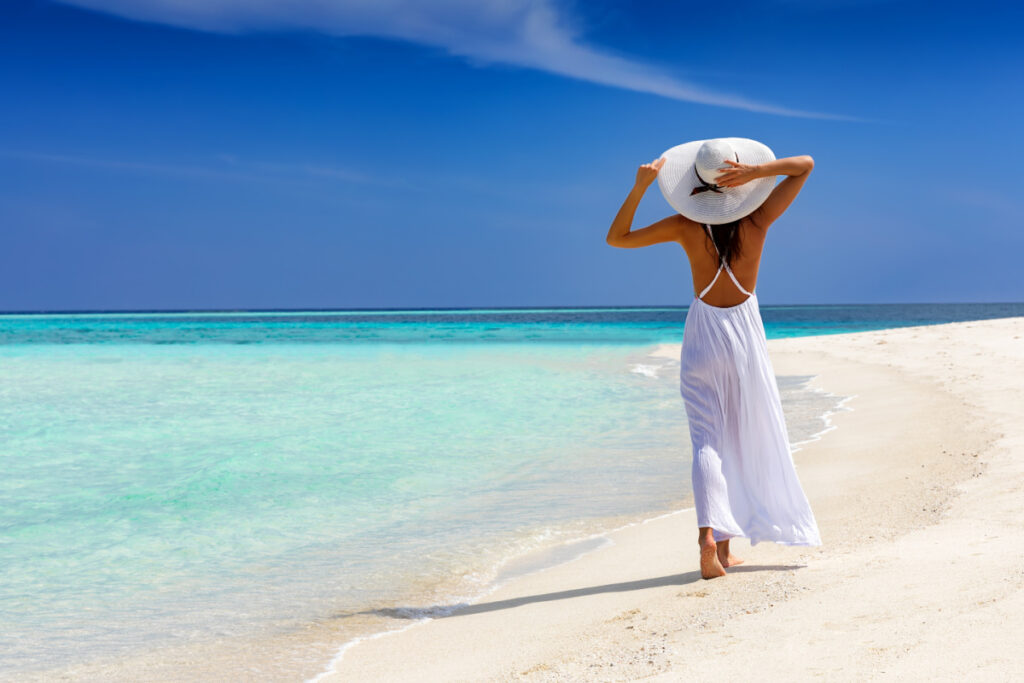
736, 174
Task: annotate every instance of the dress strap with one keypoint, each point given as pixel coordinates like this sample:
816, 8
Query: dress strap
735, 281
721, 265
701, 295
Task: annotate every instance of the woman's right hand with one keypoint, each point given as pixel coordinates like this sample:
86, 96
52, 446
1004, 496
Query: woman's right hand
736, 174
646, 174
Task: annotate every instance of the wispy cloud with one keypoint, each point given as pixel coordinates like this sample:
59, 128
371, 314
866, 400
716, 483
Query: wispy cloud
532, 34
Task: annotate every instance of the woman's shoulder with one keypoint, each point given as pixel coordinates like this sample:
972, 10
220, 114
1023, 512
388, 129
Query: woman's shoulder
691, 233
751, 231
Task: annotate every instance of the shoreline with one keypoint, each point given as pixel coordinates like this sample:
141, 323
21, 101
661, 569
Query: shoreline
668, 350
517, 609
542, 554
554, 544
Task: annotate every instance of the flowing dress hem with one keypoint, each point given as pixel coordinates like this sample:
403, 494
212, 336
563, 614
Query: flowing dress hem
721, 535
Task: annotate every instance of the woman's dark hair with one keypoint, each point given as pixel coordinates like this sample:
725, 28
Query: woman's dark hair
726, 239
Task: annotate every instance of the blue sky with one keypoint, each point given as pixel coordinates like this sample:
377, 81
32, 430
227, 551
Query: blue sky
168, 154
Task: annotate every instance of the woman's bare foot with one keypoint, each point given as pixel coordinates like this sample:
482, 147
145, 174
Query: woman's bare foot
725, 557
710, 565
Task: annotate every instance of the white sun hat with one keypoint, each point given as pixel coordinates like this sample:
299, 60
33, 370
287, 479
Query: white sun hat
687, 179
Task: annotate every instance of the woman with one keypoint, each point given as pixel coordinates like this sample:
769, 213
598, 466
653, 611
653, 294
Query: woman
744, 480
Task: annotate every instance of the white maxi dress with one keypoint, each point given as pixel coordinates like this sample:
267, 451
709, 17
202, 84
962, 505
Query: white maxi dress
744, 478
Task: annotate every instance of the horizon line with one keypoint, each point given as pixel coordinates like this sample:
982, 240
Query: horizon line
444, 309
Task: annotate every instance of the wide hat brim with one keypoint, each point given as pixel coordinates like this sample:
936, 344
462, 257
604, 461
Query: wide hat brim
678, 177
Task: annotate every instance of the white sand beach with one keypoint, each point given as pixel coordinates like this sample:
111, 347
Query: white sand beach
918, 493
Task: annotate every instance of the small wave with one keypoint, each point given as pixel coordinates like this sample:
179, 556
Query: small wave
826, 417
645, 370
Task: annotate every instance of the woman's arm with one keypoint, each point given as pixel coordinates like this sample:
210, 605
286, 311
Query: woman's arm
795, 168
665, 230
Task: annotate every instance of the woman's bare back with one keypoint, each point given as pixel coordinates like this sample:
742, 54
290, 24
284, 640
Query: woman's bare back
704, 262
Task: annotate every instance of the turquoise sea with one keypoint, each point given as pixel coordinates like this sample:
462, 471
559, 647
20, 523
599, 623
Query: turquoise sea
186, 479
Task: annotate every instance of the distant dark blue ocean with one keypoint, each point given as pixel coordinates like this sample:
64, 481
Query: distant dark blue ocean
613, 325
